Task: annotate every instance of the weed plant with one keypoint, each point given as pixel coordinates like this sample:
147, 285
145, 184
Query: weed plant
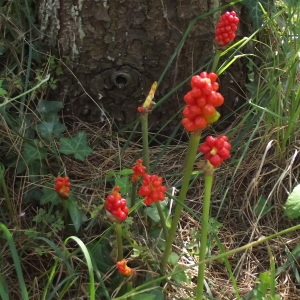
222, 233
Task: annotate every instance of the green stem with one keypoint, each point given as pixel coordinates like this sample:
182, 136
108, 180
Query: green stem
133, 194
144, 121
208, 180
118, 228
189, 165
216, 61
5, 193
162, 217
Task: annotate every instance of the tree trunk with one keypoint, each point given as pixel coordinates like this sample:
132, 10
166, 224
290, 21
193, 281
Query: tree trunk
117, 48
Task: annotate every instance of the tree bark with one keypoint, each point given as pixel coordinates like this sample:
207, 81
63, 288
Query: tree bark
117, 48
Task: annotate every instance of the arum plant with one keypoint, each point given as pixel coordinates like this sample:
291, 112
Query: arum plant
198, 113
216, 150
117, 211
152, 189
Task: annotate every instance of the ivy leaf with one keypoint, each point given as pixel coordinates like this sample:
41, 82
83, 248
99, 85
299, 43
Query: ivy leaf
32, 159
76, 145
49, 107
33, 152
255, 12
292, 206
51, 125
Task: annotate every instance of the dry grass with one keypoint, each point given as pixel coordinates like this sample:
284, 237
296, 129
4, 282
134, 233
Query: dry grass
263, 173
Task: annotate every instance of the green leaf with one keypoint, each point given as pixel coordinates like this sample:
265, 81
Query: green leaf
76, 145
3, 92
180, 275
157, 292
144, 296
51, 126
152, 212
292, 206
49, 107
32, 152
75, 213
125, 172
124, 184
100, 254
292, 2
255, 11
33, 195
50, 196
173, 258
32, 159
262, 207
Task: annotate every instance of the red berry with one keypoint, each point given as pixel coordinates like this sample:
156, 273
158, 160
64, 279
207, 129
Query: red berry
226, 27
216, 149
212, 76
208, 110
115, 205
189, 99
152, 189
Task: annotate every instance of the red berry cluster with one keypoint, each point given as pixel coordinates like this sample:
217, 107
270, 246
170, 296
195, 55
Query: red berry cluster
152, 189
216, 149
123, 268
62, 186
115, 205
138, 170
201, 102
226, 28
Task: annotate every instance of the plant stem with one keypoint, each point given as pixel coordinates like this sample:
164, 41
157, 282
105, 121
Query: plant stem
5, 193
188, 168
144, 121
133, 194
118, 228
208, 180
162, 217
216, 61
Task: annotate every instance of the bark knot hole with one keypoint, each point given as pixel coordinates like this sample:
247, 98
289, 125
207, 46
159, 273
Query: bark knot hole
121, 79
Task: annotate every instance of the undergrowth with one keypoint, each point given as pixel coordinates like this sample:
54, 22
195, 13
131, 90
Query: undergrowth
53, 248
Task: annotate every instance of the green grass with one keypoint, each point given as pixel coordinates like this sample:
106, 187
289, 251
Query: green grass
47, 254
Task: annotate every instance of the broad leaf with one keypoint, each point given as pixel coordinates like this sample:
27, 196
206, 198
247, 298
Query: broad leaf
292, 206
32, 160
262, 207
75, 213
50, 196
173, 258
152, 212
49, 107
76, 145
124, 184
255, 11
179, 276
33, 152
144, 296
125, 172
51, 126
100, 253
156, 294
